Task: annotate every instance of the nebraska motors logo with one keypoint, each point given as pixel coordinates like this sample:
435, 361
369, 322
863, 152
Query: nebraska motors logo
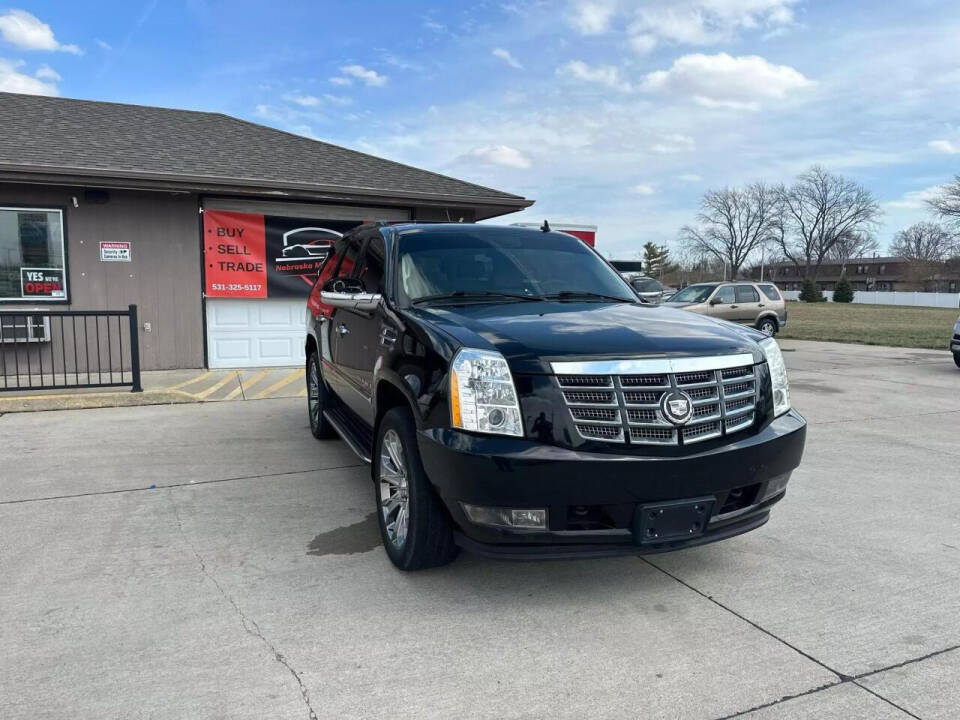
42, 283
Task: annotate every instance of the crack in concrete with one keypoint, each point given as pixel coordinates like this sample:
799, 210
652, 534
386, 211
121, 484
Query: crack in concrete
841, 678
195, 483
887, 700
249, 625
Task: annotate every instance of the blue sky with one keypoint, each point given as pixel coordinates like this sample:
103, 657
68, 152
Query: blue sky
614, 113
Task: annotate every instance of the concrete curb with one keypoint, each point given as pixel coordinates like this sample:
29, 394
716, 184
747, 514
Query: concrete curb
85, 401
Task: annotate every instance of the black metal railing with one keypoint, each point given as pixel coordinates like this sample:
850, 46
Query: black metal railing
46, 349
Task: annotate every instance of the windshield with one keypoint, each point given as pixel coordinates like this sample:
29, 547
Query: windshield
486, 262
693, 294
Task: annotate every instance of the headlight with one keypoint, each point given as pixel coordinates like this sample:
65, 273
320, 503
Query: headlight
778, 376
482, 396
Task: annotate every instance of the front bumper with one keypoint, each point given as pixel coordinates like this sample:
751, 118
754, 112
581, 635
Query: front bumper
519, 473
955, 341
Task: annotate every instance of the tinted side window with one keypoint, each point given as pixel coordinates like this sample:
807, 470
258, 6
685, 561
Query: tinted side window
770, 291
329, 265
746, 294
646, 285
371, 272
725, 295
349, 251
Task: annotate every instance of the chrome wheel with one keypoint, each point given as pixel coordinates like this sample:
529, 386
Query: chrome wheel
313, 394
768, 328
394, 489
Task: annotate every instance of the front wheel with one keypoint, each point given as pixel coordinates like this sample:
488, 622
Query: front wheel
317, 399
956, 359
768, 326
414, 527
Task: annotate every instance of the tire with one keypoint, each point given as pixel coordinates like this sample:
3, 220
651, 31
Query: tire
956, 359
414, 528
768, 326
318, 396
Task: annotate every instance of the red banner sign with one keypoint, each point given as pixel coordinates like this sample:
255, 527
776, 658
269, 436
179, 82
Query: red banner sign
235, 254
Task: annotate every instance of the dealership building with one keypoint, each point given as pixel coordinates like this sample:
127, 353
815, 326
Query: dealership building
213, 226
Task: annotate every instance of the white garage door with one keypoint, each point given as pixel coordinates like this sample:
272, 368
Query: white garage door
255, 333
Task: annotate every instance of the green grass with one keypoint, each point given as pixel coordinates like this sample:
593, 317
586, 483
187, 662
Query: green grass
871, 324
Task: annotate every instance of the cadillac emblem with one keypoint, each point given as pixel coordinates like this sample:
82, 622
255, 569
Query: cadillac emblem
676, 407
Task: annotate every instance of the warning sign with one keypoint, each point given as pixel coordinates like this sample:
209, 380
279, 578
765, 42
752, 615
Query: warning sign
114, 251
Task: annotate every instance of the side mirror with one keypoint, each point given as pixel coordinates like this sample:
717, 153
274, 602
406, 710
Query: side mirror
349, 294
715, 301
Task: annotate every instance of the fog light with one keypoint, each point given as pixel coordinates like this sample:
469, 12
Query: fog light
776, 485
531, 519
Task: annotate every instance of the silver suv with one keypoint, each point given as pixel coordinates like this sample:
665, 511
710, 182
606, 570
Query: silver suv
758, 304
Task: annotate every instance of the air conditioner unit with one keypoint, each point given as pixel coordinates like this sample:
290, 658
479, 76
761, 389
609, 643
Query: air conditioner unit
17, 328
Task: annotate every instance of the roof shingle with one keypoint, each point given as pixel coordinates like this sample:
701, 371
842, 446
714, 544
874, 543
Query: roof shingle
57, 134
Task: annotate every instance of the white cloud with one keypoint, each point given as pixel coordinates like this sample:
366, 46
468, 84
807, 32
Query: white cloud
337, 99
674, 143
690, 177
507, 58
341, 81
914, 200
307, 101
28, 32
643, 43
501, 155
591, 17
606, 75
642, 189
707, 22
371, 78
103, 44
45, 72
944, 146
42, 82
723, 81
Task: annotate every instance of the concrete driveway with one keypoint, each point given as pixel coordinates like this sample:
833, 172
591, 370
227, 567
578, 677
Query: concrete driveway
213, 560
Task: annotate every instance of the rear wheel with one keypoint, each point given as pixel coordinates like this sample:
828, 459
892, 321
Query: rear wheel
414, 527
318, 398
956, 359
768, 326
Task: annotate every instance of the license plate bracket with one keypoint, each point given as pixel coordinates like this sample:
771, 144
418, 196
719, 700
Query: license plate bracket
669, 521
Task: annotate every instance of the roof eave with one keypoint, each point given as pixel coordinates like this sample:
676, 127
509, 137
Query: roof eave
172, 182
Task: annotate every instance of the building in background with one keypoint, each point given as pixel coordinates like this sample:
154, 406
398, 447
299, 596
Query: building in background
882, 274
213, 226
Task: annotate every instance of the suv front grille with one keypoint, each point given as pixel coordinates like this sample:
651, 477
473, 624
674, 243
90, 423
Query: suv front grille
626, 408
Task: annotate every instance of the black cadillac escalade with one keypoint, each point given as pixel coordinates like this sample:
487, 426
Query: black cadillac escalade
516, 399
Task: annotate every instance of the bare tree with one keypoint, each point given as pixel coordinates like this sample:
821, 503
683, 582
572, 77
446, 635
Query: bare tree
818, 210
732, 223
947, 202
925, 242
852, 245
926, 246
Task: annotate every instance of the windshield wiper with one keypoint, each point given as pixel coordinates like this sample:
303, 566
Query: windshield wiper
566, 294
462, 294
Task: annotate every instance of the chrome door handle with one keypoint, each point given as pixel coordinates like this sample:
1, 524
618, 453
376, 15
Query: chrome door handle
342, 329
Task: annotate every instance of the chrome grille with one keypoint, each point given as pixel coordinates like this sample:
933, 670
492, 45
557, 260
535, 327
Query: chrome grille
625, 408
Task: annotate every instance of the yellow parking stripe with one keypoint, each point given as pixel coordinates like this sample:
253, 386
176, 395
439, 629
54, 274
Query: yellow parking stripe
202, 376
216, 386
302, 393
251, 381
286, 380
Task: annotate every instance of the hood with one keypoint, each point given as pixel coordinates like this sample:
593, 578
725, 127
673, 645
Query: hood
531, 335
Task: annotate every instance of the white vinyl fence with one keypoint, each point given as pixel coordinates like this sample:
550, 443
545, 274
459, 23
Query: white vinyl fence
870, 297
